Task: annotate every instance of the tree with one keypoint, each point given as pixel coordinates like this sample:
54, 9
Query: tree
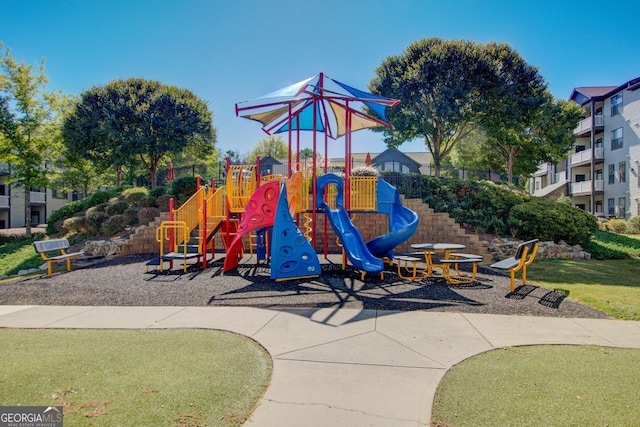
28, 138
449, 89
547, 136
234, 156
273, 146
137, 120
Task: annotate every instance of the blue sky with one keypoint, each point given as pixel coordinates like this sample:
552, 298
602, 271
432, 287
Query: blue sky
226, 51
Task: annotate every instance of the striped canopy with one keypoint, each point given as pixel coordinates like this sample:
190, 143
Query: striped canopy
337, 107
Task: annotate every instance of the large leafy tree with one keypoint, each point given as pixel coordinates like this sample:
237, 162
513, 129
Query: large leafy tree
450, 89
273, 146
138, 120
29, 137
545, 136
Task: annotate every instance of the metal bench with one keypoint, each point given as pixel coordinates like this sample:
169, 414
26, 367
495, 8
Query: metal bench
525, 254
59, 246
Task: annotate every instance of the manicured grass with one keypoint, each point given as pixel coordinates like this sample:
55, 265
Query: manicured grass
19, 255
132, 377
541, 386
607, 245
612, 286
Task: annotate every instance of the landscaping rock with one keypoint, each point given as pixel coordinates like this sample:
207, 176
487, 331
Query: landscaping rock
100, 248
505, 248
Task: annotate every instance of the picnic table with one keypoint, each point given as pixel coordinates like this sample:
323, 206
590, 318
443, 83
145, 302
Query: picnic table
449, 257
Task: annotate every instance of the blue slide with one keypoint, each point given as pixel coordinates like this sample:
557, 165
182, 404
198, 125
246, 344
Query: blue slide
352, 241
403, 222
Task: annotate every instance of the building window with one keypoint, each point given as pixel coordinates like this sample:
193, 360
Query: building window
3, 190
616, 139
581, 178
612, 174
58, 194
622, 207
598, 207
616, 105
611, 207
622, 172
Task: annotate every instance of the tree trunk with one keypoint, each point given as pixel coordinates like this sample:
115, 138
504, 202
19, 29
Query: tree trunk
27, 212
118, 176
153, 172
510, 161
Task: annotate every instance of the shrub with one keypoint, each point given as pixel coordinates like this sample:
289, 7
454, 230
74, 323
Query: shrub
163, 202
548, 220
62, 214
95, 220
99, 197
132, 197
75, 224
146, 202
146, 215
135, 190
131, 216
364, 171
74, 207
183, 188
616, 225
482, 205
633, 225
116, 208
158, 191
114, 224
98, 208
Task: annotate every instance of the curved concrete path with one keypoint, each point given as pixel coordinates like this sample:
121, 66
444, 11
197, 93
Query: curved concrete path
344, 366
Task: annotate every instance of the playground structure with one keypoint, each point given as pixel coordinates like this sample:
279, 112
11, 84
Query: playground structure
244, 215
277, 215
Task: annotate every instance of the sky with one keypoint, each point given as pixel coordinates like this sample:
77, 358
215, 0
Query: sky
227, 51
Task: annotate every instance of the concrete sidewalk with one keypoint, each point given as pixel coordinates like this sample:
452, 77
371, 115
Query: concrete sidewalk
344, 366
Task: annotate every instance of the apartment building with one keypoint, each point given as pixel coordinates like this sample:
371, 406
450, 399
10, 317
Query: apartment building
12, 204
601, 173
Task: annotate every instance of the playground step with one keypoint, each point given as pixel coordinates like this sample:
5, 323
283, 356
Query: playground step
179, 255
191, 249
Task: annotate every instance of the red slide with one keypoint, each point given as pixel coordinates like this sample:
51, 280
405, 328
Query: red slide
259, 213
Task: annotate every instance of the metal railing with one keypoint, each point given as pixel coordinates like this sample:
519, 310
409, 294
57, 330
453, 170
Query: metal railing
364, 193
38, 197
585, 186
585, 124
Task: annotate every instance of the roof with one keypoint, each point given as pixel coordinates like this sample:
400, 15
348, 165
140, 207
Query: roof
583, 94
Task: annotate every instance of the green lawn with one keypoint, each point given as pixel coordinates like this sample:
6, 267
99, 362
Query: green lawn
541, 386
612, 286
19, 255
135, 377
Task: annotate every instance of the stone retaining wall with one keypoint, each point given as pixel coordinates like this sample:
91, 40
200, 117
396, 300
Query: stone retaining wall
505, 248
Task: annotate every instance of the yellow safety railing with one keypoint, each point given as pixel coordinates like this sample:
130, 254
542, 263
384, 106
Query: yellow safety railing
190, 213
272, 177
163, 236
241, 183
215, 208
364, 193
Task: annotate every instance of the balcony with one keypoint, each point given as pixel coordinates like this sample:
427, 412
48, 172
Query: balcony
38, 198
543, 169
584, 157
559, 176
584, 127
4, 202
584, 187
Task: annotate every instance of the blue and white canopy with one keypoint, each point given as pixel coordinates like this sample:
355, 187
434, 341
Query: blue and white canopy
317, 104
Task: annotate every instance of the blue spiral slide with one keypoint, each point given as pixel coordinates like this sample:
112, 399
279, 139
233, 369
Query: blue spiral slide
367, 256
